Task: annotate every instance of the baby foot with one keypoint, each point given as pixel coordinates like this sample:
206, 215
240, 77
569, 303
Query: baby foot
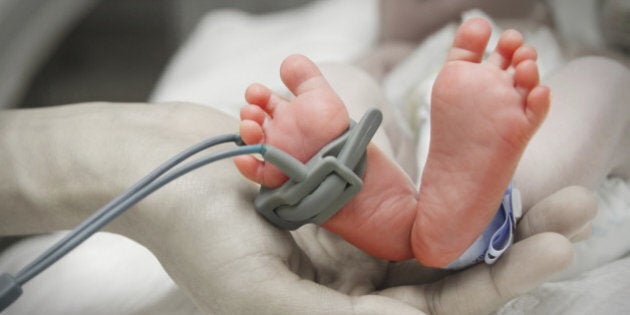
483, 114
300, 127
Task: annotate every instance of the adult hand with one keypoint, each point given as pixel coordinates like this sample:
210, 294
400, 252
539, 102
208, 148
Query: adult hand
542, 248
204, 231
230, 260
263, 271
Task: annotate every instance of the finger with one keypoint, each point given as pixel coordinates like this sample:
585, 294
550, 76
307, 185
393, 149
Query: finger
566, 212
484, 288
527, 265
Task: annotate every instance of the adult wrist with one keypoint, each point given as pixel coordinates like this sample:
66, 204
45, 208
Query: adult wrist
63, 163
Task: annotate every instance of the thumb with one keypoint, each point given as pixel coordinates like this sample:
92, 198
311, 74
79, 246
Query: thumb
484, 288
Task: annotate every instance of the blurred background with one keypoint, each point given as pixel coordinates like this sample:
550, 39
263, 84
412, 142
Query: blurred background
67, 51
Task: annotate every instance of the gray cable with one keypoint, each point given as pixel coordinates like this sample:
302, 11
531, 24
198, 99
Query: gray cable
11, 287
87, 231
120, 204
319, 188
129, 192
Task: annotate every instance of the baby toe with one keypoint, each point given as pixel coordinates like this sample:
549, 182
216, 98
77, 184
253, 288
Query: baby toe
509, 42
470, 41
526, 76
524, 53
249, 167
253, 113
257, 94
301, 75
538, 102
251, 132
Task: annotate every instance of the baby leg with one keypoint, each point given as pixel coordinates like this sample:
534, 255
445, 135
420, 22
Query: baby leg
587, 133
482, 117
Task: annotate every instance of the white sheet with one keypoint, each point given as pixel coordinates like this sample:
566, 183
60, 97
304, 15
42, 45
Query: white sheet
604, 290
231, 49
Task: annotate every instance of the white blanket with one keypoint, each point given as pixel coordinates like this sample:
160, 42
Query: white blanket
231, 49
